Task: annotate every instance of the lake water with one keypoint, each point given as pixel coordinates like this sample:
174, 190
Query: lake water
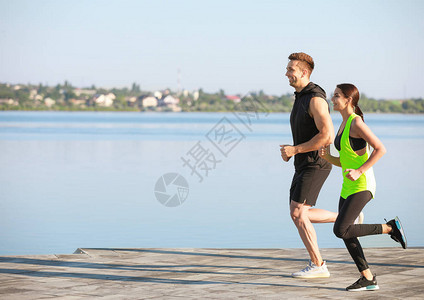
86, 179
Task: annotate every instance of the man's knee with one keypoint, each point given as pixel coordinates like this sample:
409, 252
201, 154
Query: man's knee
295, 216
298, 212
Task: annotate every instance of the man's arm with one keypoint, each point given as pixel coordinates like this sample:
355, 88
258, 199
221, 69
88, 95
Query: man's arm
318, 108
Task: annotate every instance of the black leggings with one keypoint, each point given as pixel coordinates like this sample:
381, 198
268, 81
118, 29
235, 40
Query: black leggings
344, 228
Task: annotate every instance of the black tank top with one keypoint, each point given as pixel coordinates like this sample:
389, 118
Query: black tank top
303, 127
355, 143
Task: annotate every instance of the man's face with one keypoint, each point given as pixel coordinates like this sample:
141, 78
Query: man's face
294, 73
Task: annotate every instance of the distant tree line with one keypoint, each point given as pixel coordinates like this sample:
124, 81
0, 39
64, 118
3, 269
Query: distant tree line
32, 97
284, 103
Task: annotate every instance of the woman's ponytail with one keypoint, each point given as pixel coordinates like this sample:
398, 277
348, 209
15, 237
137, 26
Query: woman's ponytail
359, 112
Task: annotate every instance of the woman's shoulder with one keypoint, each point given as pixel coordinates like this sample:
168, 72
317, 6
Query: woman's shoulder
356, 126
357, 120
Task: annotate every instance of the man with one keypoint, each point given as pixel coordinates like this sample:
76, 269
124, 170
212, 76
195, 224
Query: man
312, 128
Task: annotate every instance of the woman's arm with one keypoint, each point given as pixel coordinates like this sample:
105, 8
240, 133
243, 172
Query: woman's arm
359, 128
324, 152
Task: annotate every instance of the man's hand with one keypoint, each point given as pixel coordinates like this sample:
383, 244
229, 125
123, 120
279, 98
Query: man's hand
287, 152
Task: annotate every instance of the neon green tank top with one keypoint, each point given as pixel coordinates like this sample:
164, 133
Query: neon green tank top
350, 160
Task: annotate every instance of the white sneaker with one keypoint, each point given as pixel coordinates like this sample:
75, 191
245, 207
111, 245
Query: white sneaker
312, 271
359, 219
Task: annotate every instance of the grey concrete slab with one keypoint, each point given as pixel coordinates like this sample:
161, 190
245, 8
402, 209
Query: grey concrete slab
205, 274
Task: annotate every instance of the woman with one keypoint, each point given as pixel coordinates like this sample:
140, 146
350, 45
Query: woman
358, 188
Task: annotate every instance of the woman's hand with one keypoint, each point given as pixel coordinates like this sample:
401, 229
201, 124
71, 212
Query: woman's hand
324, 152
353, 174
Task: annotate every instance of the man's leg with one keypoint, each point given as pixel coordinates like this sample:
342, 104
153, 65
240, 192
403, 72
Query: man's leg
299, 213
317, 215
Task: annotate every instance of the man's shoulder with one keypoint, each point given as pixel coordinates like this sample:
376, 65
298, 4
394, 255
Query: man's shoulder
318, 100
318, 105
312, 91
317, 91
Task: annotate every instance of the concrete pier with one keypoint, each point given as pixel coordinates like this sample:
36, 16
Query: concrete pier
206, 274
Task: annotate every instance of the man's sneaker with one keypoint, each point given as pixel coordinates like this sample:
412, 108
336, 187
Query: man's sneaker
397, 232
359, 219
363, 284
313, 271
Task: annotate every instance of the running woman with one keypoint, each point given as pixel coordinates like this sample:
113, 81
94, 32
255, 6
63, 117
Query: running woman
358, 187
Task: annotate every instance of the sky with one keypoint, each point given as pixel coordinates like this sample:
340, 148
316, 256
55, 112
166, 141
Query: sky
237, 46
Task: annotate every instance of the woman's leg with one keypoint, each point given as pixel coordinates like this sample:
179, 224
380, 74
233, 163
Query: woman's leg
349, 209
358, 256
344, 228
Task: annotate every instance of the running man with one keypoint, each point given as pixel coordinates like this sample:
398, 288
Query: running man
312, 128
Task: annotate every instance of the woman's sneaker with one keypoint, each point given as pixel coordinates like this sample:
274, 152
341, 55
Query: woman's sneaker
397, 232
363, 284
313, 271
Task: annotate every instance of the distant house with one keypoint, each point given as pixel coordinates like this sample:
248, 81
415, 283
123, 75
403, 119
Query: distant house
111, 96
234, 98
9, 101
172, 103
158, 94
149, 101
196, 95
104, 100
170, 100
131, 101
32, 94
49, 102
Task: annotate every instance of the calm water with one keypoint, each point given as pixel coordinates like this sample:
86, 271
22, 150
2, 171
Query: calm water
70, 180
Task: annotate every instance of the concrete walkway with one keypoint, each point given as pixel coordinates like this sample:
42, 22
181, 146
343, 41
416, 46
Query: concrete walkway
205, 274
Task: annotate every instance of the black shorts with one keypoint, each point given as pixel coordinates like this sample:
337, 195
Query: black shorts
307, 184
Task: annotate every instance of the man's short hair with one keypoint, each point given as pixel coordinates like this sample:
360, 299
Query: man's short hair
306, 61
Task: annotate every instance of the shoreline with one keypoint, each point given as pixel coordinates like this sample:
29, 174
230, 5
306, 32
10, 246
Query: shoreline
188, 112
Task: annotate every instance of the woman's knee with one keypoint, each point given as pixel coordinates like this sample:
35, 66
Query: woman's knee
340, 231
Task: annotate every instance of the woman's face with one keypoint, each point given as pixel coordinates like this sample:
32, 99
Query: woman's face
340, 102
